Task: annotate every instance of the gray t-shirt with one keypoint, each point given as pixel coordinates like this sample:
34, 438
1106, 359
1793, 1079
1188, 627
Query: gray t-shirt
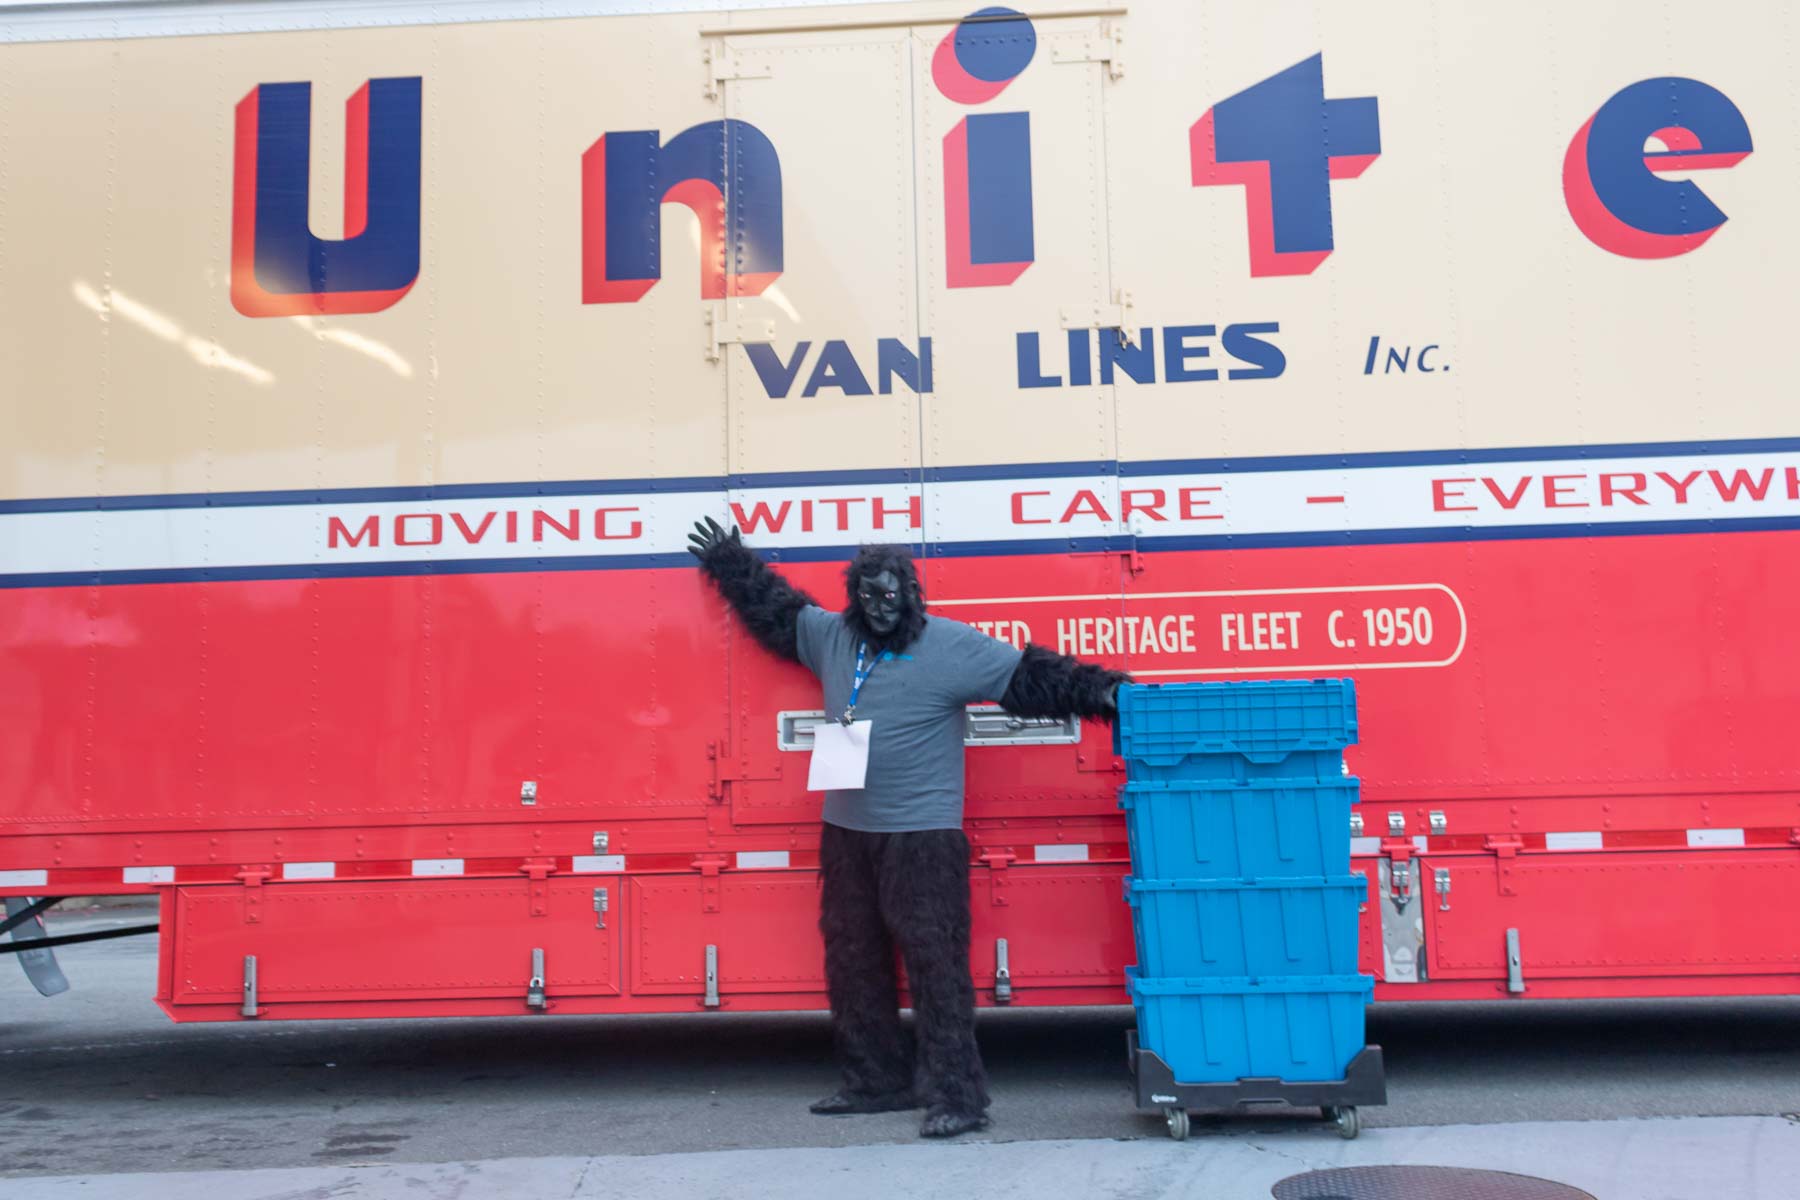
916, 701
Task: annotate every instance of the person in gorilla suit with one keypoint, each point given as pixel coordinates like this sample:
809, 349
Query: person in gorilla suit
892, 855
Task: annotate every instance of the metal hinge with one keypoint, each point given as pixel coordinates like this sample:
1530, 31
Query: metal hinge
1132, 558
537, 873
724, 64
1438, 822
1442, 878
725, 771
723, 328
601, 901
1504, 848
1002, 973
1116, 316
1356, 825
534, 990
528, 792
250, 1008
601, 841
715, 786
709, 866
712, 977
1396, 824
996, 862
252, 878
1402, 883
1104, 45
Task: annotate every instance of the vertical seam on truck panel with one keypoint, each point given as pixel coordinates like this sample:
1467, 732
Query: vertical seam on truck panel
1452, 307
658, 736
202, 724
911, 68
90, 717
899, 55
537, 618
429, 445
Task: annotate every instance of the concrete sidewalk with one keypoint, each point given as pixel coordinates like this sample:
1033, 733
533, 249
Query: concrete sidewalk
1697, 1158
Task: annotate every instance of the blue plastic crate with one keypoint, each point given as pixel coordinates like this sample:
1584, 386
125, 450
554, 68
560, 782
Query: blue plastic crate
1189, 927
1224, 831
1301, 766
1297, 1028
1163, 727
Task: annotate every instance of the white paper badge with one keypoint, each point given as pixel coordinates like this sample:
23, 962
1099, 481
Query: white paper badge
840, 757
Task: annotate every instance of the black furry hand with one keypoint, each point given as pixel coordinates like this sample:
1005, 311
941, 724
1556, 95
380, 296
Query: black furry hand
768, 605
708, 536
1047, 684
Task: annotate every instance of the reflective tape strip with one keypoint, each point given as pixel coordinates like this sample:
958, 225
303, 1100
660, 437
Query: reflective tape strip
762, 858
437, 866
309, 870
1365, 845
1586, 839
604, 863
1420, 844
1715, 837
24, 878
149, 874
1076, 852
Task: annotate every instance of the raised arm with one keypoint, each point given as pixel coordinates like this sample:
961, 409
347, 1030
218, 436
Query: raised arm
768, 605
1047, 684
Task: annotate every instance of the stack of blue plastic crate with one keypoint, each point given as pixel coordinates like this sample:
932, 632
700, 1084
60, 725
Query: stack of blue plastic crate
1244, 907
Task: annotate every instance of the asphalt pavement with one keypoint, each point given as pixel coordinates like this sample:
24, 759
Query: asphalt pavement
97, 1085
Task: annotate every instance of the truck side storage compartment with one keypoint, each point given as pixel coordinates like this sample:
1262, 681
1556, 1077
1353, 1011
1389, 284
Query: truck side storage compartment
350, 947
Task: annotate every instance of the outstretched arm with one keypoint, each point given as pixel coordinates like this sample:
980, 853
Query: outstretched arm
768, 605
1047, 684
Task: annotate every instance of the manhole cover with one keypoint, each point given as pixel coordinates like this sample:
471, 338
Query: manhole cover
1421, 1183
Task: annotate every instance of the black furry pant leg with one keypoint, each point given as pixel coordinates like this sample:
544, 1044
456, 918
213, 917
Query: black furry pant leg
873, 1051
918, 884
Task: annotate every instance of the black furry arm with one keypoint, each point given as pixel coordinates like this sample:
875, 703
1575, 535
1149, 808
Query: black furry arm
768, 605
1047, 684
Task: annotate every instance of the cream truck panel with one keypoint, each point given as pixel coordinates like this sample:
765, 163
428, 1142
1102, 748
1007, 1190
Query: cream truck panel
816, 397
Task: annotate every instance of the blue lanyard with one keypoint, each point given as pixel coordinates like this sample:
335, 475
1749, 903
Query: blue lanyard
862, 674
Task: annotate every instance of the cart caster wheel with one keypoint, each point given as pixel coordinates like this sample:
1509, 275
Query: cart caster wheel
1177, 1119
1348, 1123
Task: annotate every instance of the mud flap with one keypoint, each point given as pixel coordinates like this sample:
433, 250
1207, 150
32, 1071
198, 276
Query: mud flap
39, 965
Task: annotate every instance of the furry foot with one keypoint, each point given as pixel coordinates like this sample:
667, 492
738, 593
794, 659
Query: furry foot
944, 1123
843, 1104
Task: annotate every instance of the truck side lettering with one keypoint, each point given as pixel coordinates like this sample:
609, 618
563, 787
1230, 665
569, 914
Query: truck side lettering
433, 534
1741, 481
571, 530
988, 236
1610, 180
1266, 139
626, 178
777, 377
279, 268
760, 516
472, 536
836, 367
370, 529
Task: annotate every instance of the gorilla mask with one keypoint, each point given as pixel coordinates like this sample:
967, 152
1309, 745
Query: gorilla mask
886, 605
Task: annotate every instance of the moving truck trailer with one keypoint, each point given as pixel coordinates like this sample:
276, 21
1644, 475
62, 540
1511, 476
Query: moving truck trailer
366, 364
